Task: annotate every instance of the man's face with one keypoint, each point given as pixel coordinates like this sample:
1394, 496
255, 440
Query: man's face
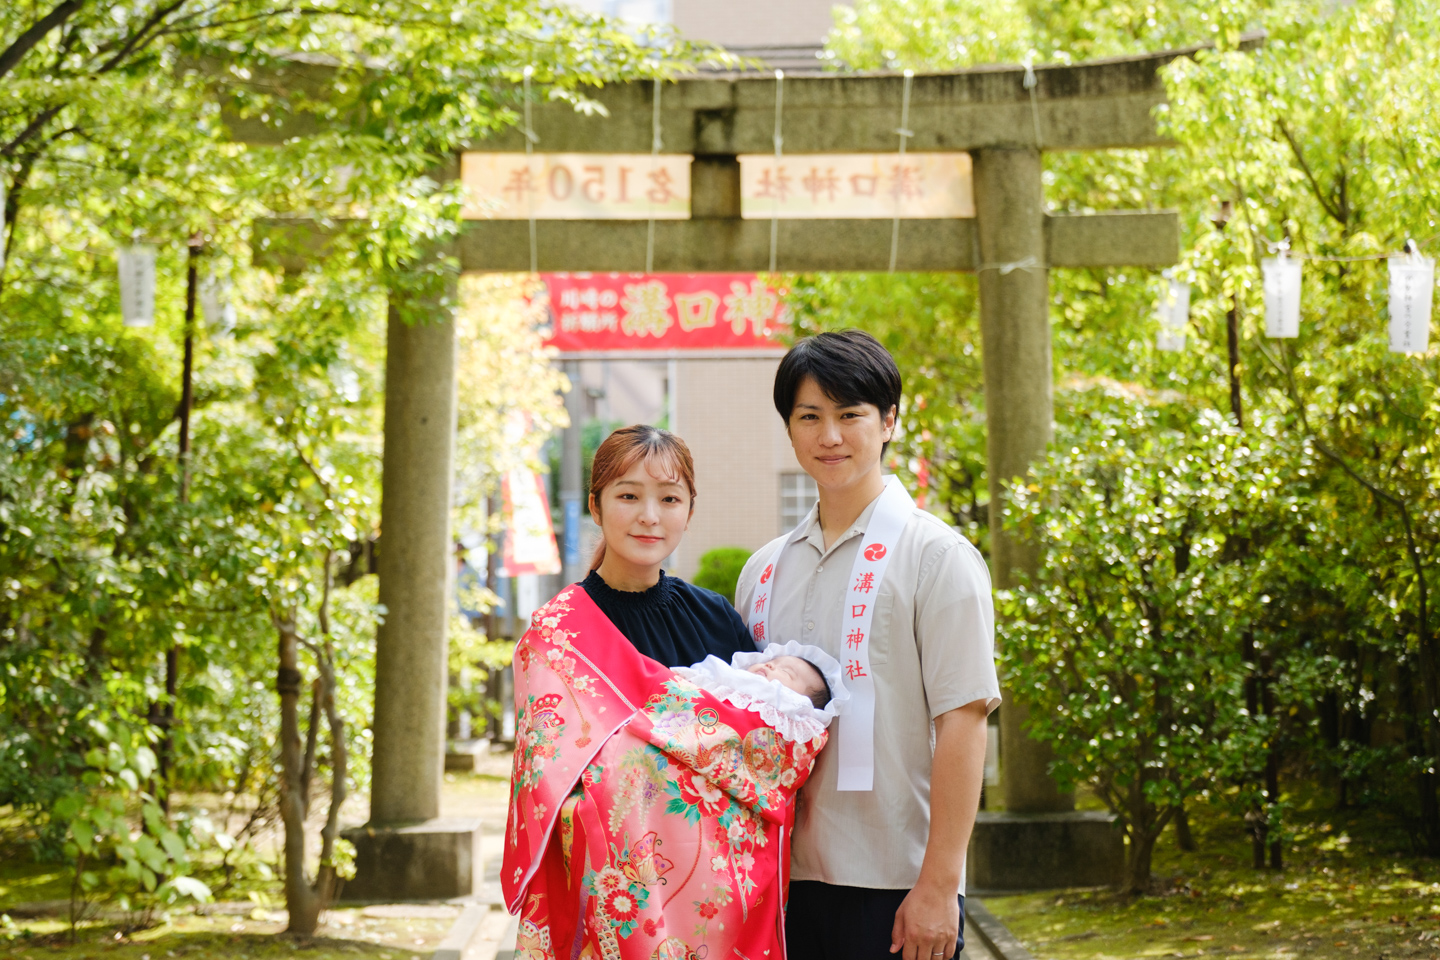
837, 444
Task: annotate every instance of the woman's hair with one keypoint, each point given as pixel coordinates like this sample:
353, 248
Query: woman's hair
662, 452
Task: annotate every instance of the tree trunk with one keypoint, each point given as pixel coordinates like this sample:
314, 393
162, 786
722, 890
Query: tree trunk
304, 900
1137, 861
300, 899
312, 732
1183, 838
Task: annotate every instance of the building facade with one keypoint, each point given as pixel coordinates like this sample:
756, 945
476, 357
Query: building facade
751, 489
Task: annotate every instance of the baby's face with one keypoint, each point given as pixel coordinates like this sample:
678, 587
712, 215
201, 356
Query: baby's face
793, 672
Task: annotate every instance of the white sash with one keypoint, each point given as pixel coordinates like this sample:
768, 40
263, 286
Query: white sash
857, 744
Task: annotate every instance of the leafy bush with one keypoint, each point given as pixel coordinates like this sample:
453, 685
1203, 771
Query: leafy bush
720, 570
122, 845
1128, 644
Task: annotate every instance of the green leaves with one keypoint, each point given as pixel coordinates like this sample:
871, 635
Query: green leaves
1127, 644
1314, 530
145, 862
116, 127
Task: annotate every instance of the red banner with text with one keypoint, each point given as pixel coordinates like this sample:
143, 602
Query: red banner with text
609, 312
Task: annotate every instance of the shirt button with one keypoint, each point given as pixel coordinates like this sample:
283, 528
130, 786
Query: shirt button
810, 625
820, 569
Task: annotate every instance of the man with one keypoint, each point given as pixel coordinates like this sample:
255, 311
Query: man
904, 602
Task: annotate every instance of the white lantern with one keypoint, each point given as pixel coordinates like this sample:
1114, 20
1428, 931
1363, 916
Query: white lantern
1173, 314
217, 307
1282, 295
137, 285
1412, 282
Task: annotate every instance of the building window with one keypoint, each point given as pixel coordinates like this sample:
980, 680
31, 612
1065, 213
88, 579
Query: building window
797, 495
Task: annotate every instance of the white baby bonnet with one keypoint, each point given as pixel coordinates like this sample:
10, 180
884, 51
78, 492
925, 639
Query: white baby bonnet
792, 715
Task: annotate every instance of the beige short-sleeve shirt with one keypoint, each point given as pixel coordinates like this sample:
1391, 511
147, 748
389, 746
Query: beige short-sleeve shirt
932, 648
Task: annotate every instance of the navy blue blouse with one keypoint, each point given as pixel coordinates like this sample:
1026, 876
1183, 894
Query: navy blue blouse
674, 622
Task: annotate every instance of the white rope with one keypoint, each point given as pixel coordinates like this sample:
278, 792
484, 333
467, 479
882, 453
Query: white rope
905, 134
1028, 263
530, 140
654, 154
1410, 247
1032, 82
779, 150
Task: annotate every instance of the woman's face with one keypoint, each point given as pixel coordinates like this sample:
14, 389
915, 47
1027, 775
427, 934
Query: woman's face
643, 515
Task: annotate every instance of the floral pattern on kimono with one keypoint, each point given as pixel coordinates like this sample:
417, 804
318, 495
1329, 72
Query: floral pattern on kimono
648, 819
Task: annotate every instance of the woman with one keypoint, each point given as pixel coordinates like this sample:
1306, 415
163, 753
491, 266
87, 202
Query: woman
642, 494
649, 818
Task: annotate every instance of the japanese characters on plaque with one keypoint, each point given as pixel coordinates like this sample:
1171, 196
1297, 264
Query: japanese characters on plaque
596, 312
1173, 313
1281, 283
576, 186
217, 307
137, 285
864, 186
1412, 283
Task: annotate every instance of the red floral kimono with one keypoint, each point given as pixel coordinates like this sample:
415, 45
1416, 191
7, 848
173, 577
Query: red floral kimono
648, 819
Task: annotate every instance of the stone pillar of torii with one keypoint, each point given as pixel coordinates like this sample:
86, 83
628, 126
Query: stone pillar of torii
1005, 117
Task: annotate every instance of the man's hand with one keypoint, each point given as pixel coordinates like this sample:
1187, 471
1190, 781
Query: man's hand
927, 925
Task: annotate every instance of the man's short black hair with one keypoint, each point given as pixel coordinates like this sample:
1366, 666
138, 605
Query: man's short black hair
850, 367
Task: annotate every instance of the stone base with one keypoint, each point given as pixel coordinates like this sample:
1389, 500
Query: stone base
1045, 851
435, 860
464, 755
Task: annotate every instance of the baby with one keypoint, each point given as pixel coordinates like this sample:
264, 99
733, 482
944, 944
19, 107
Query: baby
795, 688
799, 675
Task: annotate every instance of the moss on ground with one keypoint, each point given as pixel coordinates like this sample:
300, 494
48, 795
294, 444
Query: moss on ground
345, 933
1345, 893
24, 881
222, 932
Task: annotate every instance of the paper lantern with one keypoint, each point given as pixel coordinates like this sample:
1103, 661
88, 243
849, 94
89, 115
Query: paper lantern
1282, 295
137, 285
1412, 282
1173, 314
217, 307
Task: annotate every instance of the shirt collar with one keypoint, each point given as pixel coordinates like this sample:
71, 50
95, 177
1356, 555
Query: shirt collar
809, 529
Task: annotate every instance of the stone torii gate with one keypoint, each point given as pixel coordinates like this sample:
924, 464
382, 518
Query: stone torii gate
991, 112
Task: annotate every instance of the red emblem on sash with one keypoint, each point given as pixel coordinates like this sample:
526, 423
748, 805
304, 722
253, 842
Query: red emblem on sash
873, 552
765, 577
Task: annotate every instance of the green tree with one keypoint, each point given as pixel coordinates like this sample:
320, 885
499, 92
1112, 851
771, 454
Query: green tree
1321, 138
114, 121
1128, 640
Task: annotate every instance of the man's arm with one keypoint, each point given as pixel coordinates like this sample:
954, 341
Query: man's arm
927, 925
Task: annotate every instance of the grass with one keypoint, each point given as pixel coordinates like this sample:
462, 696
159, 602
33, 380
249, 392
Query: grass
345, 933
1345, 893
24, 881
235, 930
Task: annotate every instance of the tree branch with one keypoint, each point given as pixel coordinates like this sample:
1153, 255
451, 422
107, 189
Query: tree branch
12, 55
1412, 549
1336, 214
32, 128
140, 37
